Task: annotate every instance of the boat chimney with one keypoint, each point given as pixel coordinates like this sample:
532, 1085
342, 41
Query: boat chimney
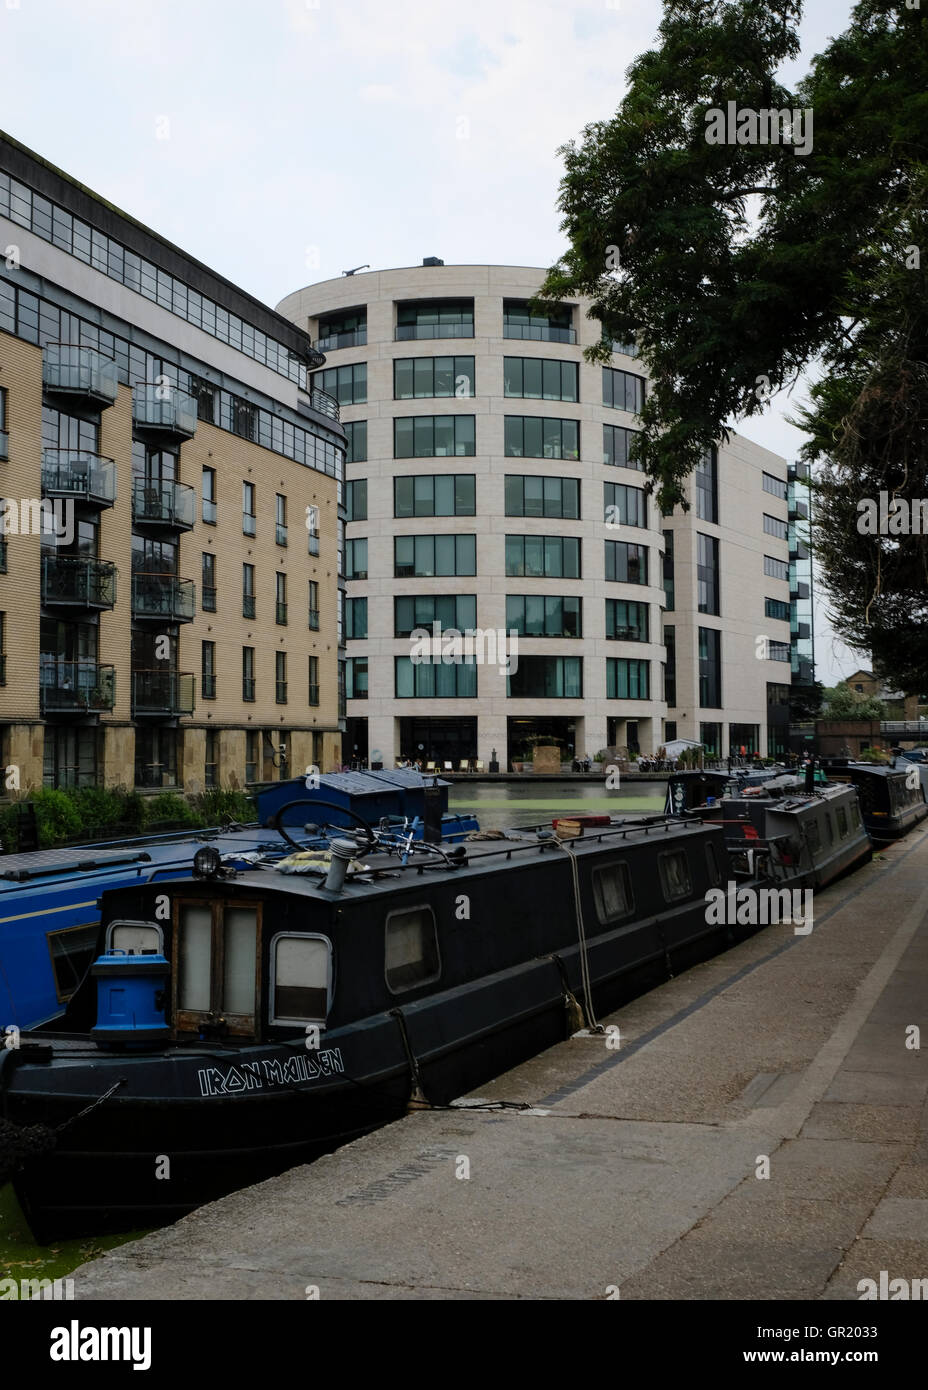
342, 852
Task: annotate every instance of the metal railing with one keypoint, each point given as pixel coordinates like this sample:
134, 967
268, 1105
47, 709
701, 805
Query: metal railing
539, 333
79, 581
80, 371
248, 605
209, 687
314, 619
163, 693
280, 696
354, 337
66, 686
248, 689
406, 332
164, 503
281, 534
165, 408
163, 596
324, 403
280, 616
76, 473
314, 694
313, 543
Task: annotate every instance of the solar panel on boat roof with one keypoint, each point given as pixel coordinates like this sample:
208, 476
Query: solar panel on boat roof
351, 783
59, 861
408, 777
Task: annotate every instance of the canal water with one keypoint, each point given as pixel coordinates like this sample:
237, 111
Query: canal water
497, 806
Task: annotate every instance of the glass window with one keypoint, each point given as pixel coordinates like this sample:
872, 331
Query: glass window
535, 436
538, 379
356, 431
617, 444
612, 892
544, 615
773, 526
623, 390
775, 486
193, 984
707, 487
355, 619
526, 495
356, 499
537, 557
627, 679
427, 556
443, 494
626, 620
433, 436
775, 569
624, 506
710, 668
626, 562
674, 870
547, 677
411, 949
707, 573
300, 979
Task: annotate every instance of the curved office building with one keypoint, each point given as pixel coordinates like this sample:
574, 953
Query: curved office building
489, 491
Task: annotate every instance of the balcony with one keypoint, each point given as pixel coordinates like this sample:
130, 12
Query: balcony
78, 581
324, 403
75, 687
81, 476
166, 505
355, 337
539, 332
162, 694
406, 332
163, 597
80, 373
166, 409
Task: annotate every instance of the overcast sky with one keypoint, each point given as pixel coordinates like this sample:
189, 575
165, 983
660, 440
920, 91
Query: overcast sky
284, 141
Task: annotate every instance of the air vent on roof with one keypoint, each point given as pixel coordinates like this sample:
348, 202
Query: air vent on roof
432, 260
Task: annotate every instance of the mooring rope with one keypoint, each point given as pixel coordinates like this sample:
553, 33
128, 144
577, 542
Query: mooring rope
592, 1023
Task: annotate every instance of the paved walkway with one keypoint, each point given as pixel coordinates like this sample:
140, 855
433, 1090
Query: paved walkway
636, 1169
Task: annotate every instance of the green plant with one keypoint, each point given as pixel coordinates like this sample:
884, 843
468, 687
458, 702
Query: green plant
170, 808
219, 804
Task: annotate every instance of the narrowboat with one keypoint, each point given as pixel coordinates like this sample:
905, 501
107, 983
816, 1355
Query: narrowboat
892, 801
49, 899
811, 838
240, 1022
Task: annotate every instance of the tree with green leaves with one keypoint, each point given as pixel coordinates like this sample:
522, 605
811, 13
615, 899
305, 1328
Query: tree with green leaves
841, 702
738, 265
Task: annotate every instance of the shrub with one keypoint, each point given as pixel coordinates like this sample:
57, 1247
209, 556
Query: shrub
218, 805
56, 815
169, 808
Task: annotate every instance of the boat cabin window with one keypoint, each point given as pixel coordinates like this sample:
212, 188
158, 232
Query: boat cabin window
72, 952
829, 832
674, 870
411, 953
842, 821
216, 966
612, 891
301, 979
813, 836
135, 938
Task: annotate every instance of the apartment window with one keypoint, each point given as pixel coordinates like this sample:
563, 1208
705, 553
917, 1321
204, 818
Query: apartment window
552, 325
773, 526
208, 584
707, 573
544, 615
775, 486
314, 605
314, 680
249, 513
4, 435
707, 487
347, 384
433, 436
280, 603
251, 755
626, 620
356, 499
435, 494
624, 506
530, 496
435, 318
248, 591
209, 496
546, 677
670, 667
539, 437
280, 678
244, 418
205, 394
211, 764
776, 608
778, 651
538, 379
426, 556
312, 532
356, 432
710, 668
345, 329
711, 736
416, 378
623, 390
355, 619
617, 446
744, 738
450, 611
208, 670
777, 696
248, 675
775, 569
280, 519
426, 680
356, 677
669, 593
356, 559
543, 557
2, 649
626, 562
627, 679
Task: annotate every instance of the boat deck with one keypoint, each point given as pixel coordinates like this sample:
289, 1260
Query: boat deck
594, 1168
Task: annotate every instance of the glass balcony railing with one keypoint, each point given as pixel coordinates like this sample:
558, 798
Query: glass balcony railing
74, 473
78, 581
165, 408
539, 332
163, 596
162, 693
355, 337
164, 504
79, 372
67, 687
410, 331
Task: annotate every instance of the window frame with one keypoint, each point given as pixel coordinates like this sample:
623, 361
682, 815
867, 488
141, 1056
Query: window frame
272, 1018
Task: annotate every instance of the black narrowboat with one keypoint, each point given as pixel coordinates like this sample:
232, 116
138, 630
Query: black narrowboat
891, 799
238, 1023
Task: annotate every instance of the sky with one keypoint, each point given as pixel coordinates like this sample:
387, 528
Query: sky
282, 142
